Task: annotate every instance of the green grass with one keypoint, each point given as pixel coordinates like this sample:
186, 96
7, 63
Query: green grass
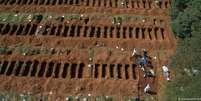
89, 98
11, 96
104, 98
110, 51
128, 99
11, 18
23, 17
70, 98
132, 18
91, 53
23, 50
186, 87
0, 66
186, 57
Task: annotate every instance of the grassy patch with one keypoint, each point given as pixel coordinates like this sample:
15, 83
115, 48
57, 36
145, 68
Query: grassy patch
12, 17
11, 96
186, 63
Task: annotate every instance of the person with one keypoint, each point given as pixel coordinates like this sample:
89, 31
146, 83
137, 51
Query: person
165, 72
145, 53
147, 88
149, 73
144, 59
152, 72
142, 64
136, 55
135, 52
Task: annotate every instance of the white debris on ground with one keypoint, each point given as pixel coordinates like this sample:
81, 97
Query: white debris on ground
122, 49
122, 3
68, 22
50, 93
51, 49
89, 65
117, 47
77, 97
67, 98
24, 54
113, 22
89, 94
29, 18
90, 59
84, 99
191, 72
156, 1
29, 93
107, 97
50, 17
188, 72
38, 30
195, 71
21, 95
48, 29
63, 16
143, 20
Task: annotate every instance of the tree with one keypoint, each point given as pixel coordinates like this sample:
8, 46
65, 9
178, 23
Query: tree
187, 58
184, 14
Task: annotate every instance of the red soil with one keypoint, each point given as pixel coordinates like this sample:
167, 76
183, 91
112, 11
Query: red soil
62, 87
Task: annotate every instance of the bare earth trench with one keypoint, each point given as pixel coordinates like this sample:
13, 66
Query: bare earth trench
115, 72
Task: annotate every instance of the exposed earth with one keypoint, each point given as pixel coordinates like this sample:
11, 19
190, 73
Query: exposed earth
49, 55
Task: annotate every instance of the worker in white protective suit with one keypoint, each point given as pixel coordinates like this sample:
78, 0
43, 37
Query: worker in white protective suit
147, 88
135, 52
165, 72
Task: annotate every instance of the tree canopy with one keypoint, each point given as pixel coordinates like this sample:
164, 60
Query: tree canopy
186, 20
185, 13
